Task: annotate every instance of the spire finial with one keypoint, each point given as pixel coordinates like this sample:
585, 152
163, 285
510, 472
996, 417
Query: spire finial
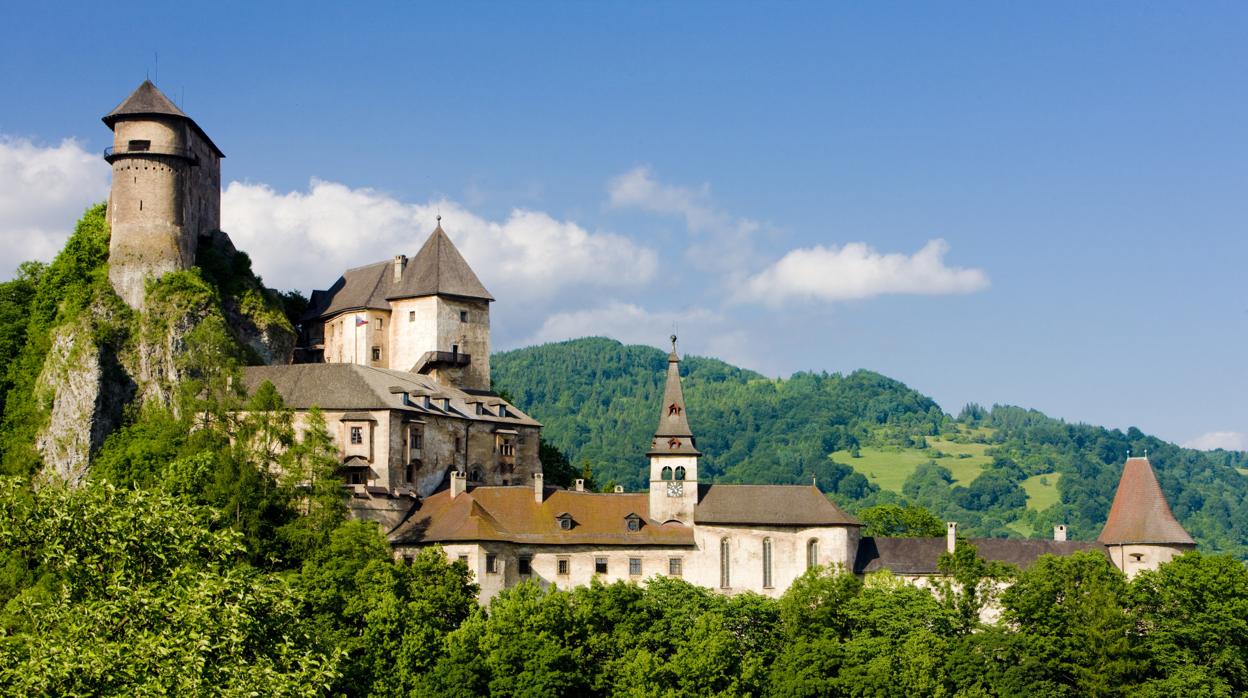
673, 344
439, 219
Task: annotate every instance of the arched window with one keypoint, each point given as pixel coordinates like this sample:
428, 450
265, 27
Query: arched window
666, 473
680, 472
766, 563
725, 576
812, 553
476, 476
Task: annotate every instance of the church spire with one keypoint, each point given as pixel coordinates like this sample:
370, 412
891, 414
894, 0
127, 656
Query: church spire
673, 435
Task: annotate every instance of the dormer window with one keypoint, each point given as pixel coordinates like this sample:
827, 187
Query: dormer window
565, 521
502, 410
632, 523
673, 443
480, 409
673, 410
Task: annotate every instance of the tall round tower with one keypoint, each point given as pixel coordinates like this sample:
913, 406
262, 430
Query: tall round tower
166, 190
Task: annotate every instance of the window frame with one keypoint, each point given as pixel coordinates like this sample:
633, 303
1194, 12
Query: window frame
634, 567
675, 567
357, 436
725, 564
601, 565
563, 566
524, 565
491, 563
768, 581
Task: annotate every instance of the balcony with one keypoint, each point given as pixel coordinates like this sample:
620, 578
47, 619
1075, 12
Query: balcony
441, 359
146, 148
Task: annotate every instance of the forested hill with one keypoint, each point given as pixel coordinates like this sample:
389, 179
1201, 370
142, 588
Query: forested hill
867, 439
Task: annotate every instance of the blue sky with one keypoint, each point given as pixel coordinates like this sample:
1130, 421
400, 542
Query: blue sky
776, 179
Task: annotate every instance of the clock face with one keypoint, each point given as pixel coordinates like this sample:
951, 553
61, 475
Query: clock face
675, 489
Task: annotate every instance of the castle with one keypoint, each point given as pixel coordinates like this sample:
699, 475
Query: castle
396, 355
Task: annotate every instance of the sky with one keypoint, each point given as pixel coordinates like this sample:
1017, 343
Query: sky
1036, 204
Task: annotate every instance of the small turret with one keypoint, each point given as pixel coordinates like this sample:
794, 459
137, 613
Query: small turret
1141, 531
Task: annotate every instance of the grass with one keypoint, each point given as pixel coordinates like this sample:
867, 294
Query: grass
1020, 528
888, 468
1042, 491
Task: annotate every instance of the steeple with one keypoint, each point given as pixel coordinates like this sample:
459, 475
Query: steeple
673, 435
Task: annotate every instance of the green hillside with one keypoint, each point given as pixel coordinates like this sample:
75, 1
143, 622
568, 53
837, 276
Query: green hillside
867, 439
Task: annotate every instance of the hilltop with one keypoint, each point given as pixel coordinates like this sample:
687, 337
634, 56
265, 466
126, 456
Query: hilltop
867, 439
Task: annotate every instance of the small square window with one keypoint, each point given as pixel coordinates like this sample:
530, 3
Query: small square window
600, 565
357, 435
675, 566
564, 565
491, 563
411, 316
463, 316
463, 559
633, 523
634, 566
565, 523
525, 565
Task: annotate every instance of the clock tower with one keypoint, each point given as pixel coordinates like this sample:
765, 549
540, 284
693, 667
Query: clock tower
673, 456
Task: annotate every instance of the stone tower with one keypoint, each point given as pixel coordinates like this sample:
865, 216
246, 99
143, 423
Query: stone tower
673, 455
166, 190
1141, 532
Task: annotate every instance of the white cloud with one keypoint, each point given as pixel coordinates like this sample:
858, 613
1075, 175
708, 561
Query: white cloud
1229, 440
726, 242
856, 271
43, 192
305, 239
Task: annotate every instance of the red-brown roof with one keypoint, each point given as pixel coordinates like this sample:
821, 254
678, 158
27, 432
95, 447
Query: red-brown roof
1140, 513
512, 514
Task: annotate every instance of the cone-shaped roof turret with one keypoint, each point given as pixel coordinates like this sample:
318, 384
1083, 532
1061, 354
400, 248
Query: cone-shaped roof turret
1140, 513
673, 435
438, 269
147, 101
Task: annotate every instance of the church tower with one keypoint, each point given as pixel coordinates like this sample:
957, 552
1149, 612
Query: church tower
673, 455
166, 190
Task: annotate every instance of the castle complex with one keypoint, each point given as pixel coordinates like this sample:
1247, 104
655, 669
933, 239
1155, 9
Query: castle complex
396, 354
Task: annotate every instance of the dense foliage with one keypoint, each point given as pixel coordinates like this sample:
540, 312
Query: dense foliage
598, 400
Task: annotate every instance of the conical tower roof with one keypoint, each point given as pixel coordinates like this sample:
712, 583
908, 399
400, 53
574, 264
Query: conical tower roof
673, 435
1140, 513
146, 101
438, 269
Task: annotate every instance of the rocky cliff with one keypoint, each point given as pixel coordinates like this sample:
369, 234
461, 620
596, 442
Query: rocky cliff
89, 358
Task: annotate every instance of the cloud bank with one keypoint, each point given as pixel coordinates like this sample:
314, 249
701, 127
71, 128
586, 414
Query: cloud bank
43, 192
1229, 440
305, 239
856, 271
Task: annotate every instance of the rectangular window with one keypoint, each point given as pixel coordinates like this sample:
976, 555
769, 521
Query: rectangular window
455, 349
411, 316
525, 565
376, 353
506, 447
766, 563
463, 559
491, 563
725, 576
417, 438
564, 565
357, 435
463, 316
675, 566
140, 146
634, 566
379, 323
600, 565
459, 444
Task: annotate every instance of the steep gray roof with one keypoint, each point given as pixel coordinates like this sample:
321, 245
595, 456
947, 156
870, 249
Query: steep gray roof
777, 505
148, 100
437, 269
350, 387
673, 436
1140, 513
920, 555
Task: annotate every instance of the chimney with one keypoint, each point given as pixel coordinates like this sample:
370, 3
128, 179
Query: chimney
400, 263
951, 536
1059, 532
459, 483
539, 487
580, 485
619, 489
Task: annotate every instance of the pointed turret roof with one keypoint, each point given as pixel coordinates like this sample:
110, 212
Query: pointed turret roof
1140, 513
438, 269
148, 100
673, 435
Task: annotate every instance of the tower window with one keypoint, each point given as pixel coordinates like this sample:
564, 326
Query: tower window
812, 553
725, 571
379, 323
463, 316
454, 348
140, 146
680, 472
411, 316
666, 473
357, 435
140, 204
766, 563
377, 353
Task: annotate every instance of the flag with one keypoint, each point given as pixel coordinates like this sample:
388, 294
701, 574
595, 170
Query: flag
361, 320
